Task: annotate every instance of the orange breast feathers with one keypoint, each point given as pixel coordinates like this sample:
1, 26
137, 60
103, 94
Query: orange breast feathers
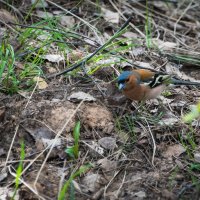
131, 84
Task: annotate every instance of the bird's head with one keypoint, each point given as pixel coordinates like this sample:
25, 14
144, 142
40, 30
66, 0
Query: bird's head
128, 79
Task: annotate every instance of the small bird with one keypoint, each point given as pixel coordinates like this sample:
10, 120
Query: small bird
132, 84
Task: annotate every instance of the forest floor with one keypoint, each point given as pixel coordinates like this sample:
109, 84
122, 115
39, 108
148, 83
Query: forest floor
59, 66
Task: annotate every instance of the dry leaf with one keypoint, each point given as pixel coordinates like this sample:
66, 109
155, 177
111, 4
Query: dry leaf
48, 142
164, 45
7, 193
138, 51
140, 194
106, 164
143, 64
42, 84
67, 21
107, 143
3, 174
44, 15
92, 182
168, 121
40, 3
130, 35
97, 149
79, 96
110, 16
174, 150
6, 17
75, 55
170, 69
53, 58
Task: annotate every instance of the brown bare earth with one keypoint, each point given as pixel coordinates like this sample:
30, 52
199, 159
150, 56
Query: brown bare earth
134, 150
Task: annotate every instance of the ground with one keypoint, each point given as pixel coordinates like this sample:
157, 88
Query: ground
126, 149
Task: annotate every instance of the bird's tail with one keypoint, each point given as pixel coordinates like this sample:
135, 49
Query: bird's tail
168, 79
183, 82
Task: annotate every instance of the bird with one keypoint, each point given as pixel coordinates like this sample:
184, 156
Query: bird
142, 84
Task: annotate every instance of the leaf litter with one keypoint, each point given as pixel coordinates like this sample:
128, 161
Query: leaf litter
122, 165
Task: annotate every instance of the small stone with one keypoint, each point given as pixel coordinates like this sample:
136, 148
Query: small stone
107, 143
197, 157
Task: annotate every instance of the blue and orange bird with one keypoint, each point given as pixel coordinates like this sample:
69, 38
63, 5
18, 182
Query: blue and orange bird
132, 84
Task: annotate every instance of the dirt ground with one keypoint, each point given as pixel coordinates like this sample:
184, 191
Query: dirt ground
136, 150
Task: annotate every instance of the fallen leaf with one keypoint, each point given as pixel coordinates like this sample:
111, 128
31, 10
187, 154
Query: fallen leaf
140, 194
44, 36
110, 16
130, 35
143, 64
49, 142
3, 174
92, 182
67, 21
164, 45
79, 96
42, 84
40, 3
168, 119
138, 51
172, 69
75, 55
96, 148
44, 15
55, 58
107, 143
7, 193
7, 17
174, 150
106, 164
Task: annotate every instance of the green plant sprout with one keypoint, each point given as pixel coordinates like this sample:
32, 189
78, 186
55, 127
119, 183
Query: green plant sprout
74, 150
69, 183
19, 168
8, 79
148, 28
195, 113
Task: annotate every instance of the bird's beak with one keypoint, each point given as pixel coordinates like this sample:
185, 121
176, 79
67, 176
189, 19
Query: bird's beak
121, 86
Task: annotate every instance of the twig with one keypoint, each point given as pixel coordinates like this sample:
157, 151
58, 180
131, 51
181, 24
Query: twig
188, 7
95, 83
76, 65
132, 25
123, 180
16, 130
106, 187
26, 184
52, 30
55, 139
95, 44
154, 144
82, 20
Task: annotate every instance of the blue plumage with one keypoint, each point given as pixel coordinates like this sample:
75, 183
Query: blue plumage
123, 76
